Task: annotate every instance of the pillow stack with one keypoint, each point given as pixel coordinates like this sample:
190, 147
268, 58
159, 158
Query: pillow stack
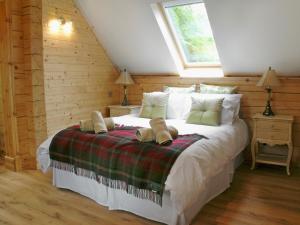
214, 105
226, 105
230, 106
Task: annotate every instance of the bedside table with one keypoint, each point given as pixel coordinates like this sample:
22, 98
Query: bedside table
273, 130
119, 110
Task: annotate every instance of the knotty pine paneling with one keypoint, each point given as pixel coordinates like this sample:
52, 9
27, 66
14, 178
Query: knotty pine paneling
2, 30
79, 77
2, 152
33, 71
286, 99
22, 80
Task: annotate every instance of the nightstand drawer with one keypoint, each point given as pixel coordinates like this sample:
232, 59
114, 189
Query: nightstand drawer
272, 126
272, 135
119, 112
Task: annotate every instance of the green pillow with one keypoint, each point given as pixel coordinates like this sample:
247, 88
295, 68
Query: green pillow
205, 111
215, 89
154, 105
190, 89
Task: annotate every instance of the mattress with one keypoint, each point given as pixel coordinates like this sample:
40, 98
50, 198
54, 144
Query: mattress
190, 175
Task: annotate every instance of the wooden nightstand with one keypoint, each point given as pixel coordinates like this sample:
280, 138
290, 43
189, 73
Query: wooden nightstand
273, 130
119, 110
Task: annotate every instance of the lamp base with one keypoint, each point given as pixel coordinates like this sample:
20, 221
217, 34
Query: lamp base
125, 100
268, 110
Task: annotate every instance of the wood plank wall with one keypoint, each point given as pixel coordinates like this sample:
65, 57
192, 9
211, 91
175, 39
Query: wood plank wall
7, 83
22, 59
79, 77
34, 74
2, 153
286, 98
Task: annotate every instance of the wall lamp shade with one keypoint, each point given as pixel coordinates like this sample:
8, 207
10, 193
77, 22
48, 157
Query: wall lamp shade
269, 80
125, 79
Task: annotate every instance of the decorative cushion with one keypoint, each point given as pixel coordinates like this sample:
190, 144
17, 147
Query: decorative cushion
154, 105
205, 111
214, 89
230, 106
190, 89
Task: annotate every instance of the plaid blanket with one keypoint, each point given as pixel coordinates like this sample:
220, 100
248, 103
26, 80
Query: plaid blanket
116, 159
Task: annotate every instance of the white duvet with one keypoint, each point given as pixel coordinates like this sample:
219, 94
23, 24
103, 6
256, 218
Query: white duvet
195, 165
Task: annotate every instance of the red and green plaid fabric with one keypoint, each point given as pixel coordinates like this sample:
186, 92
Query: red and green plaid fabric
118, 156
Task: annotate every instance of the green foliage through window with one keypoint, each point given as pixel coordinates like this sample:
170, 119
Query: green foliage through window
191, 26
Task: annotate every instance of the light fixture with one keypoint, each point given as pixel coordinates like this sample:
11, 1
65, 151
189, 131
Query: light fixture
60, 24
269, 80
125, 79
67, 28
54, 25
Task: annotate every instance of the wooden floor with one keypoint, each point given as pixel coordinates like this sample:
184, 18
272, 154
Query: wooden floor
264, 196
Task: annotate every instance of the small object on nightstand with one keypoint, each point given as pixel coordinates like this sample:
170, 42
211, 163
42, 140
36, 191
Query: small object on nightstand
269, 80
275, 130
120, 110
125, 79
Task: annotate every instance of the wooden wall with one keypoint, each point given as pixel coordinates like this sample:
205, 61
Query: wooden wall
21, 47
2, 153
2, 147
286, 98
79, 77
34, 77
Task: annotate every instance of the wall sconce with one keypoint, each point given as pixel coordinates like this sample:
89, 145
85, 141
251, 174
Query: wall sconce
60, 24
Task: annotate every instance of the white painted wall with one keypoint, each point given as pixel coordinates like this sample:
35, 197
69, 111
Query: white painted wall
250, 35
129, 33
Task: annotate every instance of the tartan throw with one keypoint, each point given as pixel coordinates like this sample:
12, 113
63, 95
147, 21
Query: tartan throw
117, 160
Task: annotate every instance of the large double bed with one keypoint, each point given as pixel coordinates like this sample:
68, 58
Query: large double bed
201, 172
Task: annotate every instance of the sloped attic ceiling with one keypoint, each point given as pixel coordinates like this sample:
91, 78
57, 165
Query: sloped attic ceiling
250, 35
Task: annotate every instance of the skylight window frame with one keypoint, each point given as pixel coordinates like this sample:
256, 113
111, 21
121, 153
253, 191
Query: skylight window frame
173, 33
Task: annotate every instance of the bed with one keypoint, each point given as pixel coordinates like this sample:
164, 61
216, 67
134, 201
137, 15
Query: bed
203, 171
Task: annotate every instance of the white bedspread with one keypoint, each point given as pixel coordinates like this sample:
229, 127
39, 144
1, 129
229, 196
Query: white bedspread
195, 165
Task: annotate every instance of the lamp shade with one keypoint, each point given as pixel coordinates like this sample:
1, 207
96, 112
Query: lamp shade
124, 78
269, 79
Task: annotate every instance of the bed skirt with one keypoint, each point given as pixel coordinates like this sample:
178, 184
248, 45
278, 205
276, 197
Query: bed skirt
116, 199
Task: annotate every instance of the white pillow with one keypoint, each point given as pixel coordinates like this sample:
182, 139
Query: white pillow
230, 106
178, 90
179, 105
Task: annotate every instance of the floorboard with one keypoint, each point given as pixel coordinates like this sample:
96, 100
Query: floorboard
263, 196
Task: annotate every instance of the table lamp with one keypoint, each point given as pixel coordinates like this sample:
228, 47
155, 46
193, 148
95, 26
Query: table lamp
125, 79
269, 80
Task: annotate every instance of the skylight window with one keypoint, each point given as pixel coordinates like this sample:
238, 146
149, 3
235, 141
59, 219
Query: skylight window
190, 28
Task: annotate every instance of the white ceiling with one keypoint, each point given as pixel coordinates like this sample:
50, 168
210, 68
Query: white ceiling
250, 35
